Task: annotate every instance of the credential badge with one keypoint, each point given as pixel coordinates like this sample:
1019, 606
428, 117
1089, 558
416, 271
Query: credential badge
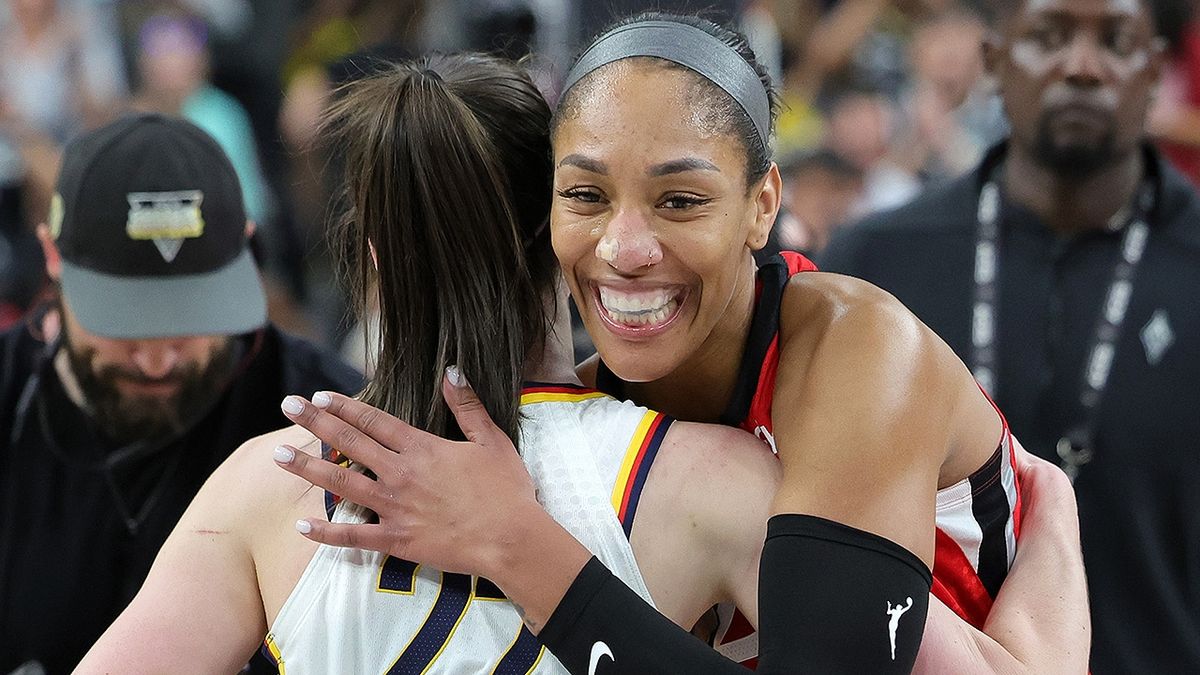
1157, 336
165, 218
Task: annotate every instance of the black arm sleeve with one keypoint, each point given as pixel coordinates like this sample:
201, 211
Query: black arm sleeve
835, 599
831, 600
600, 614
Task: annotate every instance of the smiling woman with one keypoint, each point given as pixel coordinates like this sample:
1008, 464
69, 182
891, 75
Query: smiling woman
893, 460
654, 225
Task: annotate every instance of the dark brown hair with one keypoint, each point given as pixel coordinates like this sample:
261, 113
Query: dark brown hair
448, 178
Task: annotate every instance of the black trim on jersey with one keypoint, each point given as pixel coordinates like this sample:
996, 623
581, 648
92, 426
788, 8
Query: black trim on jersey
989, 505
764, 326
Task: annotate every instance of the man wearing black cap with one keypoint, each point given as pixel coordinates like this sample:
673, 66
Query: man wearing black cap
155, 362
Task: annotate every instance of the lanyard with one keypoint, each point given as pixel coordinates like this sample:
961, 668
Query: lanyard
1076, 447
30, 404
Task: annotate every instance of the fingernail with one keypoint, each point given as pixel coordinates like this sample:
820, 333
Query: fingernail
284, 455
303, 526
322, 399
292, 405
454, 375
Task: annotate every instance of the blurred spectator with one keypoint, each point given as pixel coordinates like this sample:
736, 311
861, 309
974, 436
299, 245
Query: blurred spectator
951, 118
335, 42
1062, 270
60, 72
860, 130
60, 68
1175, 114
819, 191
152, 364
173, 66
594, 16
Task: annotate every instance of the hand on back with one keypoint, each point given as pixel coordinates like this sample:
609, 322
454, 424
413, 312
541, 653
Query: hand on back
438, 502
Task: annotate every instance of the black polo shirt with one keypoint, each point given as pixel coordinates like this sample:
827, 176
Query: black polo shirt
69, 562
1139, 499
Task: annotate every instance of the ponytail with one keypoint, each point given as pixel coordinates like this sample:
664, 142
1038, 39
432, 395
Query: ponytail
427, 187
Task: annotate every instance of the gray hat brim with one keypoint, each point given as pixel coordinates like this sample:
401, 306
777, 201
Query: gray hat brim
228, 301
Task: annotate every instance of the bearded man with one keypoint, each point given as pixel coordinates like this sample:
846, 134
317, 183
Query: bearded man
152, 363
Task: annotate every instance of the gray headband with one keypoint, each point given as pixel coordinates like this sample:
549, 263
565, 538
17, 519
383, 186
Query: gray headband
690, 47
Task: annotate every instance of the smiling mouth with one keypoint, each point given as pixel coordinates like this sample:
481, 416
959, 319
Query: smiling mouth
642, 311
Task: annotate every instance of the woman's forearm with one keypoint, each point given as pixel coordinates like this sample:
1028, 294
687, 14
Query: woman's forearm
1041, 613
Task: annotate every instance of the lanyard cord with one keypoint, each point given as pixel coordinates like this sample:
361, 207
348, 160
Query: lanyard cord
1076, 447
30, 401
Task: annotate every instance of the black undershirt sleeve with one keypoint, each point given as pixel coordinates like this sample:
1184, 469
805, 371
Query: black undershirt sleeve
832, 599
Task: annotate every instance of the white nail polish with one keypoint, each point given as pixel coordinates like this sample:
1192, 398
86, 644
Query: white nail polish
303, 526
454, 375
322, 399
284, 455
292, 405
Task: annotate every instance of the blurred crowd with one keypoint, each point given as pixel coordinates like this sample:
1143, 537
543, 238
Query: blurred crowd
881, 99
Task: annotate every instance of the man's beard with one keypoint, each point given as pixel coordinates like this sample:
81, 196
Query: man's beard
126, 418
1074, 159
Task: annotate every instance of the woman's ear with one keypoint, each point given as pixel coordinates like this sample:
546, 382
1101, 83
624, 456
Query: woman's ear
767, 198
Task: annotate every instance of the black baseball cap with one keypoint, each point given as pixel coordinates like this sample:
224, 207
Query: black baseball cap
149, 222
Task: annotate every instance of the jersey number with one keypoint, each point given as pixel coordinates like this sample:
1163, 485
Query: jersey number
455, 594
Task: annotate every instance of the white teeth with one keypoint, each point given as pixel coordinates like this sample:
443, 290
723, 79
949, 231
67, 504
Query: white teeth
647, 308
615, 301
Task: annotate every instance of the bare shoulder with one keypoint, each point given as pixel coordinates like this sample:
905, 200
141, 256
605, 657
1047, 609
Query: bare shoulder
837, 326
817, 303
249, 485
851, 349
708, 447
719, 477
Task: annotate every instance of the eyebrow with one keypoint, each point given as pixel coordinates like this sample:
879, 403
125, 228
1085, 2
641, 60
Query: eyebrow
682, 165
585, 163
664, 169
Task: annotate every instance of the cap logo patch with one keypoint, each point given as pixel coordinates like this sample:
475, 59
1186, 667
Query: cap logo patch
165, 218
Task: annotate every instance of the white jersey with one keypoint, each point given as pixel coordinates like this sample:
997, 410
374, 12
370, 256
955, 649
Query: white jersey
356, 611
